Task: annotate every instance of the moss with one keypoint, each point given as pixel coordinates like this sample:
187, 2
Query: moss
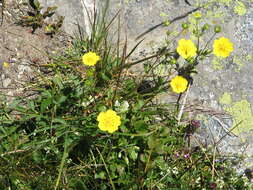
242, 116
225, 99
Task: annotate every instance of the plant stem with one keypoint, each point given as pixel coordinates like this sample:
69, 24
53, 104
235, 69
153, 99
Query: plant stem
64, 156
113, 187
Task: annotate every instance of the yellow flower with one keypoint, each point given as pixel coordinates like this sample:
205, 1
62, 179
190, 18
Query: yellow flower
90, 58
6, 65
178, 84
222, 47
186, 48
108, 121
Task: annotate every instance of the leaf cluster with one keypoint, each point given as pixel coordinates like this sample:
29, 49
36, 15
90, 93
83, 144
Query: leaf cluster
36, 18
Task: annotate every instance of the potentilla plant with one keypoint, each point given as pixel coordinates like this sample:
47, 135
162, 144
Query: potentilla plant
92, 124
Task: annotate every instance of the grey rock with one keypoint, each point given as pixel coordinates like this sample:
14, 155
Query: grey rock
6, 82
215, 134
74, 11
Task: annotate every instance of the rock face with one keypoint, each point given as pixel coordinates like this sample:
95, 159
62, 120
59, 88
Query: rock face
222, 85
74, 11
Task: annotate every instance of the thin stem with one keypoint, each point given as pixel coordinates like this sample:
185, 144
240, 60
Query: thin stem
183, 105
64, 157
113, 187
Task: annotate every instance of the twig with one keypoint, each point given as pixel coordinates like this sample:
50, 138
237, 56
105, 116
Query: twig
183, 105
214, 154
2, 12
113, 187
196, 140
225, 127
64, 157
13, 152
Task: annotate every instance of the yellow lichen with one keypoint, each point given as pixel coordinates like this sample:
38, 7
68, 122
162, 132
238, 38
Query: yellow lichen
242, 116
249, 57
227, 2
225, 99
216, 63
163, 14
240, 8
239, 63
218, 14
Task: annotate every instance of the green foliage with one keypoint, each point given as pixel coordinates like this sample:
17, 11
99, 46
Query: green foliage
52, 140
36, 19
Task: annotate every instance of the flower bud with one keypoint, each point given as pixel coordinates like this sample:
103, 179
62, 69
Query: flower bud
185, 26
197, 15
205, 27
173, 61
166, 23
217, 29
196, 32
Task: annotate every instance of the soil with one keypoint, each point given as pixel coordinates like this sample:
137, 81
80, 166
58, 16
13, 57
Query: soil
24, 51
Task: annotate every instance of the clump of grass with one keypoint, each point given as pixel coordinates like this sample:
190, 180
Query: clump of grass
55, 140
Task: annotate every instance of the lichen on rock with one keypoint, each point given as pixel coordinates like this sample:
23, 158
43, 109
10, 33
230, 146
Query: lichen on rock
240, 8
226, 99
242, 116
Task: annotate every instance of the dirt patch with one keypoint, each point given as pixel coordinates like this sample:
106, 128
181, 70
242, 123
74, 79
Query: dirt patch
22, 52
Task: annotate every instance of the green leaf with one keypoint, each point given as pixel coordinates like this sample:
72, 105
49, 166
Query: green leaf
31, 105
37, 156
37, 5
133, 154
140, 126
59, 120
78, 185
45, 103
152, 142
58, 81
156, 144
101, 175
105, 77
138, 105
60, 99
49, 9
32, 4
49, 12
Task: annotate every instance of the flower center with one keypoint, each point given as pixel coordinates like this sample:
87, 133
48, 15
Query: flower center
90, 59
222, 48
186, 50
